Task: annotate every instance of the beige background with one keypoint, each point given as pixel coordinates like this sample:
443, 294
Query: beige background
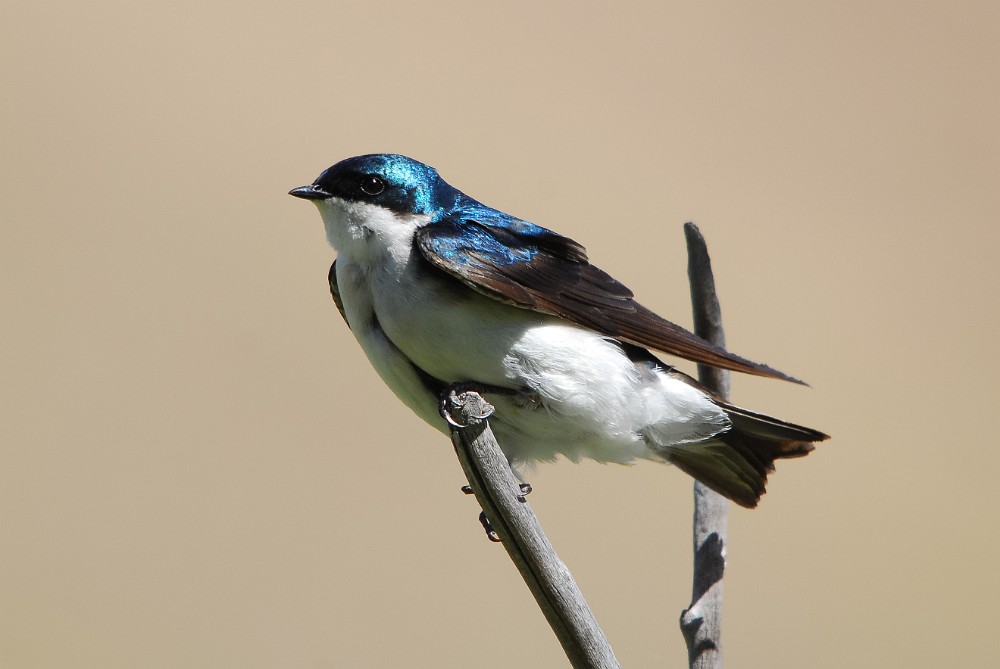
199, 468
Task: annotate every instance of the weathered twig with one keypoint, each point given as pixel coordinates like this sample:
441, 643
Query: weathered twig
511, 517
701, 621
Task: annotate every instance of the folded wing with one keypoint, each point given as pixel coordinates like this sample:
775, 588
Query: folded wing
534, 268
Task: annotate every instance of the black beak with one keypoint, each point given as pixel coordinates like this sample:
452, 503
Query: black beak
310, 192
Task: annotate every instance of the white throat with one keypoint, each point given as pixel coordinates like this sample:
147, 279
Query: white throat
368, 233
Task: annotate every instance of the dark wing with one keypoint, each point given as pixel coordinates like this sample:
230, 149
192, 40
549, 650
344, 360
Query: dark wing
534, 268
335, 291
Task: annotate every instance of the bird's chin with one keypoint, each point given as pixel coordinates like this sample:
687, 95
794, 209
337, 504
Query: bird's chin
342, 229
343, 234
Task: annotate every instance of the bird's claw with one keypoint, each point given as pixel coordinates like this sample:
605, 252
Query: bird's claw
447, 415
491, 534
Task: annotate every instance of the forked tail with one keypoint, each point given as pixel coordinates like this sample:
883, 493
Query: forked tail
736, 463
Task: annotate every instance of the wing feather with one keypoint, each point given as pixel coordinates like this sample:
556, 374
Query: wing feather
534, 268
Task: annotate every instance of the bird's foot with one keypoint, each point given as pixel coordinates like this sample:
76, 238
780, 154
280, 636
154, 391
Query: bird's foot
449, 400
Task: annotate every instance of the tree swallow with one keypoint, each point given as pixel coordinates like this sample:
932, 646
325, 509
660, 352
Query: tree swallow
440, 289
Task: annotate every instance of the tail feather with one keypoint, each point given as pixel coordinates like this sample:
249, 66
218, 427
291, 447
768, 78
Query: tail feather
768, 427
735, 463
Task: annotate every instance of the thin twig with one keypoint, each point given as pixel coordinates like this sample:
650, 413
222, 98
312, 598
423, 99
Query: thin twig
511, 517
701, 621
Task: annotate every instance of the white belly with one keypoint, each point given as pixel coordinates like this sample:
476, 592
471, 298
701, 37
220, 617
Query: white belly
582, 397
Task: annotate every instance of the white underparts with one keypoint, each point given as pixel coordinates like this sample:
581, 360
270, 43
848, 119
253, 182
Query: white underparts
583, 397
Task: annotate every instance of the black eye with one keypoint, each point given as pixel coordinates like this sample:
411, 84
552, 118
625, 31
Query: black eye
372, 185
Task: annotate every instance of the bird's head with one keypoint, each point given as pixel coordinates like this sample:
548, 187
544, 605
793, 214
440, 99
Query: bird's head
380, 197
394, 182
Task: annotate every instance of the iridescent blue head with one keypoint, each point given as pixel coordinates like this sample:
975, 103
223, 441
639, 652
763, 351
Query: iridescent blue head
398, 183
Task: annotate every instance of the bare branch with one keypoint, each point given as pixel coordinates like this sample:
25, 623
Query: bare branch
499, 494
701, 622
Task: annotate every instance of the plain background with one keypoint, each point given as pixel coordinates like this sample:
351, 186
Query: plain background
199, 468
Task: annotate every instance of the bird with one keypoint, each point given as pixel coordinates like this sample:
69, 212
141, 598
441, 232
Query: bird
441, 290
